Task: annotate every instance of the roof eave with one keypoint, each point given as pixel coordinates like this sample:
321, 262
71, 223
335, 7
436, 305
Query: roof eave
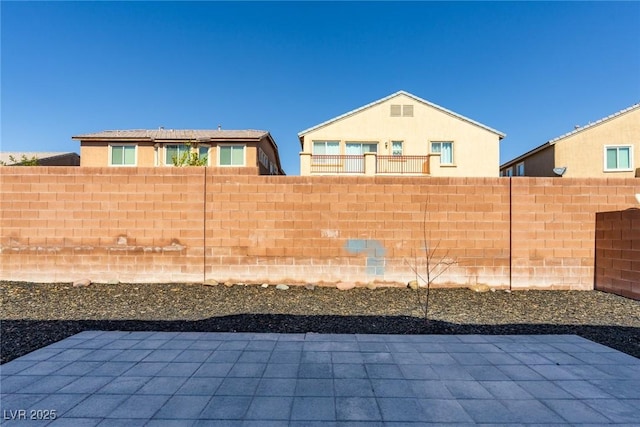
525, 155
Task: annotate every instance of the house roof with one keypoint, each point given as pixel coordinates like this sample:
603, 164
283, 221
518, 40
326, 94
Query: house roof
173, 134
40, 155
568, 134
393, 95
182, 135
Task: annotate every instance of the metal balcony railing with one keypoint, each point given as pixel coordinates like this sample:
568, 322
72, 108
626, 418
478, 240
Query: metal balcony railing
356, 164
329, 164
399, 165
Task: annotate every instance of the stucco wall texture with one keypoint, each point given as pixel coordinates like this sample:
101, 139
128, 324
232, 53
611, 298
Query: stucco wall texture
195, 224
617, 264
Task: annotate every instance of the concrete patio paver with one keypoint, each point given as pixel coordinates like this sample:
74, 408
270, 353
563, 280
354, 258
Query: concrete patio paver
99, 378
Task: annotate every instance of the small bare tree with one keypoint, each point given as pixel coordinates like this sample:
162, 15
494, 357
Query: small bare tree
435, 266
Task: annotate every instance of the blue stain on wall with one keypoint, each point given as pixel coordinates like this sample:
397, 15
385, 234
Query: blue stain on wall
375, 254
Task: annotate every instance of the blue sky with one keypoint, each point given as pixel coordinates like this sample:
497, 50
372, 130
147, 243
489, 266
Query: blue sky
530, 69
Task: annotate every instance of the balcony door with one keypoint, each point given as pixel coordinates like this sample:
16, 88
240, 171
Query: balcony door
355, 155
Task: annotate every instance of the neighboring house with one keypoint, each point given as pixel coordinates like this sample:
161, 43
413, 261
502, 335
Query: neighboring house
149, 148
44, 158
609, 147
400, 134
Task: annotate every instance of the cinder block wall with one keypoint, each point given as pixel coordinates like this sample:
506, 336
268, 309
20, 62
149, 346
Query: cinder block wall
195, 224
618, 252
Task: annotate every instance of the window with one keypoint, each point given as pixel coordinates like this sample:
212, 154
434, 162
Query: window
445, 148
398, 110
263, 158
326, 147
618, 158
509, 171
396, 148
122, 155
231, 155
520, 169
173, 153
203, 153
359, 148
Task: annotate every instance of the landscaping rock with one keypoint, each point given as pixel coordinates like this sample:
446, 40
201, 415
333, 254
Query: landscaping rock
282, 287
310, 286
229, 284
345, 286
372, 286
55, 312
413, 285
82, 283
211, 282
264, 285
480, 288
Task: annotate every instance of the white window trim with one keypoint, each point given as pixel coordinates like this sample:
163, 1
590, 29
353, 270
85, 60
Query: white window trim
244, 155
631, 165
164, 154
453, 153
124, 144
401, 147
376, 143
325, 141
518, 169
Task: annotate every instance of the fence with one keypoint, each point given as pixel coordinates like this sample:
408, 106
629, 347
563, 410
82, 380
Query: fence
192, 224
617, 263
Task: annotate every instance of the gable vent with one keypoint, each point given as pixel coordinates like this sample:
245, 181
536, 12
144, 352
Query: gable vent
407, 111
396, 110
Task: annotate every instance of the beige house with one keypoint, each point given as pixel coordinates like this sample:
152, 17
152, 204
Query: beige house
609, 147
149, 148
400, 134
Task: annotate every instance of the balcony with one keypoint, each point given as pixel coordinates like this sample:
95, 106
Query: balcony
367, 164
402, 165
333, 164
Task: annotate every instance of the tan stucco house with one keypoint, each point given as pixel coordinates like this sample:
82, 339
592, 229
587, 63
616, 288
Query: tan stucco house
400, 134
609, 147
149, 148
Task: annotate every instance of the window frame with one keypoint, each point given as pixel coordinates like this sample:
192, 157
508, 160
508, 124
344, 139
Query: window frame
124, 145
393, 151
169, 162
206, 148
244, 155
617, 148
363, 143
325, 142
517, 169
452, 162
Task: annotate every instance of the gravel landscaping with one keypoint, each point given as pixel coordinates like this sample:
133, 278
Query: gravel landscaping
35, 315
